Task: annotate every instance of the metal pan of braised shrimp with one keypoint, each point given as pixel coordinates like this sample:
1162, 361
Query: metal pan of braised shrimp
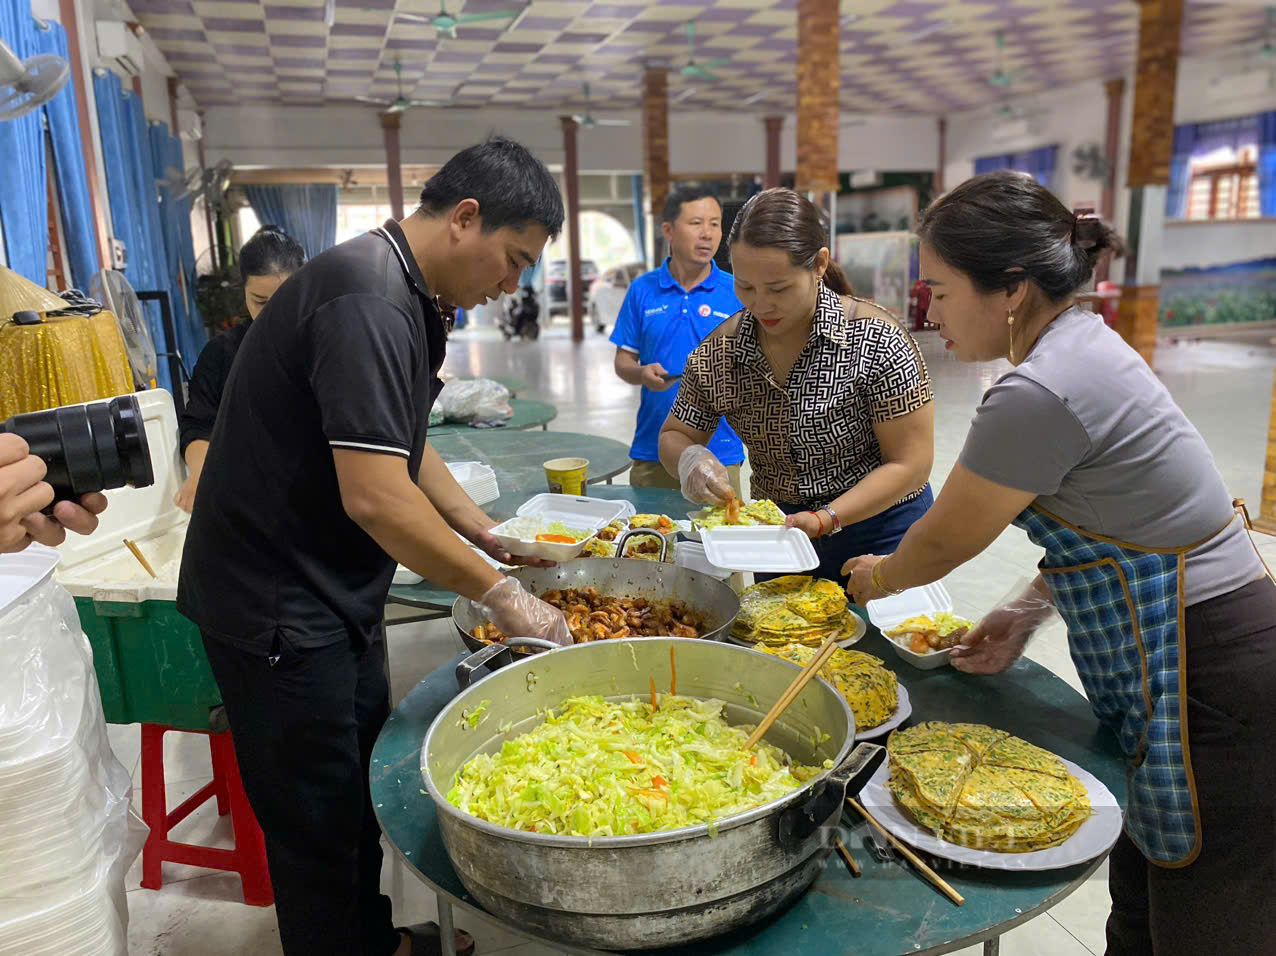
609, 599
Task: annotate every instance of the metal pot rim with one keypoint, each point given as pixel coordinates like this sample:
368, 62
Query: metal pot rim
719, 633
801, 794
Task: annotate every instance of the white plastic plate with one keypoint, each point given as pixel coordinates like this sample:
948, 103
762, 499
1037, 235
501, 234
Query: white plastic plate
1094, 838
575, 512
769, 549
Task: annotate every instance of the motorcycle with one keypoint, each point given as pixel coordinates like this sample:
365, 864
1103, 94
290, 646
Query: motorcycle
521, 315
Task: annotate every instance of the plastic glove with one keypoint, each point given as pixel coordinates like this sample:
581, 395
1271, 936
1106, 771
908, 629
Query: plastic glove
519, 613
999, 639
703, 478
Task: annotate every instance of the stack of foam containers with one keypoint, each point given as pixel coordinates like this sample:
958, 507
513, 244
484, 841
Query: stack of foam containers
65, 834
476, 479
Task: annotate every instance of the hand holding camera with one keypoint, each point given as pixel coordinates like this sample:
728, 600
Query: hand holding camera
24, 494
55, 463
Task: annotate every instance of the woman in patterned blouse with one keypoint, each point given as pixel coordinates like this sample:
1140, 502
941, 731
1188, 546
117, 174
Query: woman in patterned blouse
829, 393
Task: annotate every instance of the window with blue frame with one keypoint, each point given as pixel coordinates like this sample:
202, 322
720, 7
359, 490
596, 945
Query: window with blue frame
1224, 169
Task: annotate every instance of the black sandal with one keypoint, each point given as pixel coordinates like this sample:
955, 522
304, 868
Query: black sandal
426, 941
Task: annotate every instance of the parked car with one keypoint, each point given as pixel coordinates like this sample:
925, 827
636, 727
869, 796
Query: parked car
556, 283
608, 292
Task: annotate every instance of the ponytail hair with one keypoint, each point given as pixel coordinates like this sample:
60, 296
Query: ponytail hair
1003, 227
782, 219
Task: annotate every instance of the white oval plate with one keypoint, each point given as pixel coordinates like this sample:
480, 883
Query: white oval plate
1094, 838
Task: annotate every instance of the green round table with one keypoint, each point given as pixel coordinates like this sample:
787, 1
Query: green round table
891, 910
527, 414
518, 457
438, 601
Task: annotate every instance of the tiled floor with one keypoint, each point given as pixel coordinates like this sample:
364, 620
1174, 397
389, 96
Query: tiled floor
1224, 388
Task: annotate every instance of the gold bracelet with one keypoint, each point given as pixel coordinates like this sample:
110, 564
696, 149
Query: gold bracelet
879, 581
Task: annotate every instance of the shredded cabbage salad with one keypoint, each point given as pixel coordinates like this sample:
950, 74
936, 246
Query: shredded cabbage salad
595, 768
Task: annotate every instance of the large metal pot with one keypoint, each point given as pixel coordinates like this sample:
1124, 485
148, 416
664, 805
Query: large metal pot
659, 889
623, 577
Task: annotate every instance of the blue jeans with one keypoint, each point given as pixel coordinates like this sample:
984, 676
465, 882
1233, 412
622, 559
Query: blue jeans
879, 534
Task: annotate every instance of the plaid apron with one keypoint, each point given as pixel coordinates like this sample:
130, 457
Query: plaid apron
1123, 605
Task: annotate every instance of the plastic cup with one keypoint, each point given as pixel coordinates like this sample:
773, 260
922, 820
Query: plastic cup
567, 476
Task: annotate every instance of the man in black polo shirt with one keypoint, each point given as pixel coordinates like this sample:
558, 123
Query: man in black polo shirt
318, 479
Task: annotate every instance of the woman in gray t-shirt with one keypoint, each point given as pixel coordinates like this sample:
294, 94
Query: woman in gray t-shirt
1171, 619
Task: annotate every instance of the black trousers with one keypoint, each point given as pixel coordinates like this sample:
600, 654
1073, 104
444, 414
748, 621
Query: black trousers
304, 721
1219, 903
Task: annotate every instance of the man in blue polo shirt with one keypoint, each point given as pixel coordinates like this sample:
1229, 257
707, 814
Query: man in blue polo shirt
665, 315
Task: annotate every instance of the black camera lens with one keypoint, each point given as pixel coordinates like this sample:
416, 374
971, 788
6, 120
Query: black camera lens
88, 447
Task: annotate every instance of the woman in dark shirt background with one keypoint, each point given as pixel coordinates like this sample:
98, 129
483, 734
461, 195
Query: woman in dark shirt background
265, 261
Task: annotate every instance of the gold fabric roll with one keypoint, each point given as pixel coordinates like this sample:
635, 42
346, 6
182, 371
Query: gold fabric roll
60, 362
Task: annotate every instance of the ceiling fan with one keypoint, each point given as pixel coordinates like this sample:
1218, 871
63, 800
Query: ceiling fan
587, 120
400, 103
695, 70
1001, 77
1009, 110
445, 23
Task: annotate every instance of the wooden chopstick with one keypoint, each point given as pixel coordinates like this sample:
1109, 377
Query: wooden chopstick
140, 558
909, 855
846, 855
809, 671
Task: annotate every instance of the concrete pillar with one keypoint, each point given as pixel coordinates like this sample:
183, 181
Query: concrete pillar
1151, 149
571, 185
774, 125
1111, 147
943, 156
393, 168
655, 146
818, 85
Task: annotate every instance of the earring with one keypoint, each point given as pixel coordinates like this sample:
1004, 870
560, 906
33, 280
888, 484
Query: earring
1010, 321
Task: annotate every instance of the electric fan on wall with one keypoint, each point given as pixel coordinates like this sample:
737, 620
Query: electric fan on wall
25, 86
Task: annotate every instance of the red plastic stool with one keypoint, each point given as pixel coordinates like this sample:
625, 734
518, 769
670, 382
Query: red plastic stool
247, 858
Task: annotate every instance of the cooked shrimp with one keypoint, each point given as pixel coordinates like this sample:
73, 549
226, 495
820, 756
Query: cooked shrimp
733, 509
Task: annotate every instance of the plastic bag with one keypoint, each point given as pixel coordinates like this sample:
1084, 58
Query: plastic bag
67, 836
999, 638
474, 400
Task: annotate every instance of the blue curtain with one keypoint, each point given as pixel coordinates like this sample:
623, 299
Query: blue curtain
78, 227
24, 201
307, 213
179, 249
133, 197
1180, 171
990, 164
1039, 163
1267, 164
